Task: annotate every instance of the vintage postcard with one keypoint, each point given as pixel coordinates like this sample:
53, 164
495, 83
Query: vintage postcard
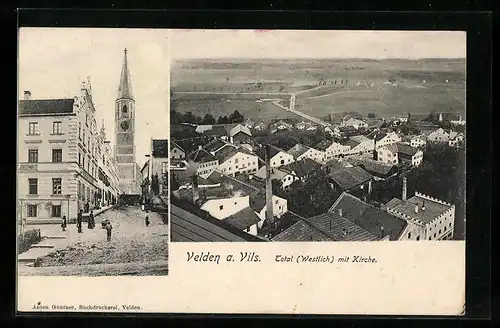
334, 161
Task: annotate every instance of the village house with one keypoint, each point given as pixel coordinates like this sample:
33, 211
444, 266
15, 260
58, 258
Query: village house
215, 145
239, 134
234, 161
278, 158
388, 154
354, 122
359, 145
382, 138
418, 142
246, 220
456, 139
258, 204
342, 132
203, 162
280, 126
300, 151
460, 121
301, 125
379, 170
428, 218
440, 135
332, 149
249, 123
409, 154
284, 177
378, 222
351, 179
176, 151
259, 126
302, 169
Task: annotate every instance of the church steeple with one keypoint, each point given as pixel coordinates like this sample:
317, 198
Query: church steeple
125, 86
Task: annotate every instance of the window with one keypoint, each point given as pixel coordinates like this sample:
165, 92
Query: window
56, 155
84, 138
276, 202
31, 210
282, 162
33, 155
57, 127
33, 186
418, 237
56, 186
409, 235
124, 111
56, 211
33, 128
164, 167
221, 207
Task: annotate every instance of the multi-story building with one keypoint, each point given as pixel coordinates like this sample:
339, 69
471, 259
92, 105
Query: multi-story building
234, 161
300, 151
65, 163
278, 157
158, 163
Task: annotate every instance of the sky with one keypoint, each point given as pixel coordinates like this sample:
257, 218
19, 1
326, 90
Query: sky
54, 61
188, 44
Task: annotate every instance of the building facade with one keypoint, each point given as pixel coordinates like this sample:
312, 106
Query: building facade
65, 163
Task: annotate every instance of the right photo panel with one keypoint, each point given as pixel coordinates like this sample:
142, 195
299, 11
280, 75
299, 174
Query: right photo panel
317, 136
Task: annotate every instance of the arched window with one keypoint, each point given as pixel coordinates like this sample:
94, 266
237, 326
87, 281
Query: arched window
124, 111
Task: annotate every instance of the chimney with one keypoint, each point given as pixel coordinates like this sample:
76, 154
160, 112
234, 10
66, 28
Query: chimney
340, 212
27, 95
196, 193
269, 188
330, 225
423, 205
375, 147
404, 189
416, 208
382, 232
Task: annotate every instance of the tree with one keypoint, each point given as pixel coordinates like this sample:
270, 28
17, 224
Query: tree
155, 185
208, 119
189, 118
371, 115
174, 184
223, 120
236, 117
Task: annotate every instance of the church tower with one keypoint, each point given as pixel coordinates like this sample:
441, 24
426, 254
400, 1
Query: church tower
125, 132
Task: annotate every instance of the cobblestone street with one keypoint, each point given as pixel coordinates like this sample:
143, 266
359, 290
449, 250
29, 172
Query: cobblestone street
132, 242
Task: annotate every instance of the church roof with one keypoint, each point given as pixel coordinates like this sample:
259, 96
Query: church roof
46, 106
125, 86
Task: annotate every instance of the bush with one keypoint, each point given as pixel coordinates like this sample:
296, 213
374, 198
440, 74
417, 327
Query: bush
27, 239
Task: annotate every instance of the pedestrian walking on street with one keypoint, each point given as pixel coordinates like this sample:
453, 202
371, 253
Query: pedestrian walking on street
64, 223
91, 220
79, 220
109, 227
147, 218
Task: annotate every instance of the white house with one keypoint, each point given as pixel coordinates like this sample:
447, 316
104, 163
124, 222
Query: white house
221, 208
300, 151
387, 139
440, 135
410, 154
456, 139
236, 160
176, 151
388, 154
278, 157
418, 141
203, 162
354, 122
332, 149
359, 145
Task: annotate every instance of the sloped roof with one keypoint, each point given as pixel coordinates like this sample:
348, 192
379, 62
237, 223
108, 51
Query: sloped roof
46, 106
368, 217
226, 153
258, 200
334, 164
371, 165
301, 231
201, 156
407, 149
239, 128
392, 147
349, 177
125, 86
350, 143
160, 148
216, 131
174, 144
298, 150
201, 227
323, 145
273, 150
215, 145
275, 173
243, 219
347, 128
302, 168
334, 226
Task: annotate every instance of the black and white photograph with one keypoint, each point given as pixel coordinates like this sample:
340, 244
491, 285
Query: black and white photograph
92, 175
302, 136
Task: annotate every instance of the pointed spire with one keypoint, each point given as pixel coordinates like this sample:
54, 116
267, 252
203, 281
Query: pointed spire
125, 87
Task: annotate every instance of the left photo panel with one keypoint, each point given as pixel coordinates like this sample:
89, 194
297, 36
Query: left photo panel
92, 152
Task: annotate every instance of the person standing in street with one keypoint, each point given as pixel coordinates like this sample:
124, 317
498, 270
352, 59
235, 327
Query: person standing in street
147, 218
79, 220
91, 220
64, 223
109, 227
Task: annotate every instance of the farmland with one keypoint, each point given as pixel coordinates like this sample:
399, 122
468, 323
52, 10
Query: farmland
384, 87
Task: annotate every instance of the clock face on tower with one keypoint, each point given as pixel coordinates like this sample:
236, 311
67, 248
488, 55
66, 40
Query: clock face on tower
125, 126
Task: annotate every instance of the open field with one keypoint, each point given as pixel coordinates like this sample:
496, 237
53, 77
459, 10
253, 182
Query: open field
422, 86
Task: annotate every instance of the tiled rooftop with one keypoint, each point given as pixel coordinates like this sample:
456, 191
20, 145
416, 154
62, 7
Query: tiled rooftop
46, 106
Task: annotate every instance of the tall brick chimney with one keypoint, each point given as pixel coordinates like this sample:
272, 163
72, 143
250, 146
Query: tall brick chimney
375, 156
27, 95
196, 192
269, 188
404, 188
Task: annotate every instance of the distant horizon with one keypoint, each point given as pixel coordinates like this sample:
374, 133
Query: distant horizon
316, 58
